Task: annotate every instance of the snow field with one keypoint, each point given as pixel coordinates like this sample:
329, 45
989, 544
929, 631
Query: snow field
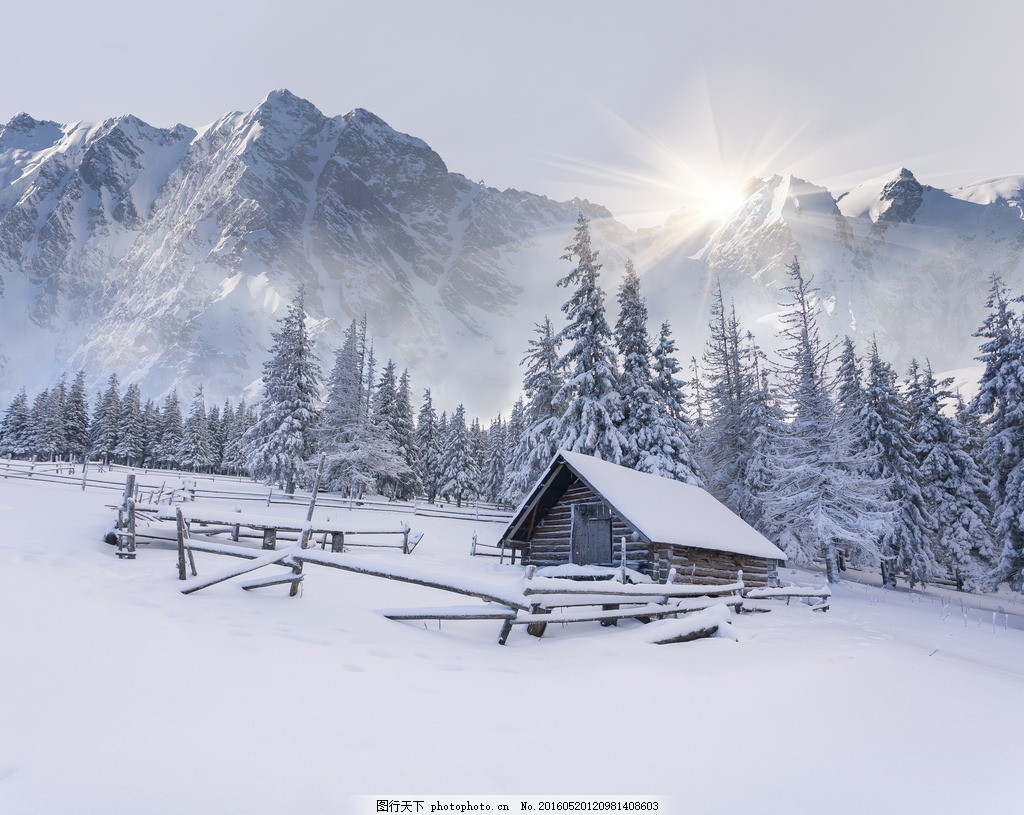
122, 695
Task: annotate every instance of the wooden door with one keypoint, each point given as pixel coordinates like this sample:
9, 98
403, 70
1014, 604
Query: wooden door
591, 534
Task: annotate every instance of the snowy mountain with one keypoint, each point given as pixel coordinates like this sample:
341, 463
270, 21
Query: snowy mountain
893, 258
168, 254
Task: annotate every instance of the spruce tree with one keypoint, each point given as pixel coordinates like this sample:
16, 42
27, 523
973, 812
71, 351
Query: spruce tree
194, 450
106, 421
671, 449
427, 444
904, 542
131, 441
952, 483
821, 500
283, 437
999, 404
170, 432
537, 443
76, 419
592, 405
460, 476
16, 428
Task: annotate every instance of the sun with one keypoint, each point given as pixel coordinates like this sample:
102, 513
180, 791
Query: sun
696, 161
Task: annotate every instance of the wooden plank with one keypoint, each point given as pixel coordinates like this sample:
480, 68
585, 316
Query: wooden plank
275, 580
245, 568
218, 548
344, 562
450, 613
651, 610
550, 585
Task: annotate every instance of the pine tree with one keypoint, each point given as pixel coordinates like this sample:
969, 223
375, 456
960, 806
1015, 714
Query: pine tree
427, 443
494, 466
405, 439
592, 405
821, 499
131, 435
765, 427
460, 475
538, 442
904, 542
283, 437
236, 451
999, 404
671, 446
515, 430
76, 419
16, 428
151, 435
724, 445
171, 429
953, 485
639, 405
106, 420
194, 451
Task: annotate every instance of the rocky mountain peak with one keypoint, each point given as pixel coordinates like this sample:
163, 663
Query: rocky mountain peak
900, 198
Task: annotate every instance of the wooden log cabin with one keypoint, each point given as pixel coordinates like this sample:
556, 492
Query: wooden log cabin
582, 509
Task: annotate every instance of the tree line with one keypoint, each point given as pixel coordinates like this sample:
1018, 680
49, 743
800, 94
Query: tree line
825, 450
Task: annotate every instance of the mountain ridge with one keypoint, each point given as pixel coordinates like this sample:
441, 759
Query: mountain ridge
167, 254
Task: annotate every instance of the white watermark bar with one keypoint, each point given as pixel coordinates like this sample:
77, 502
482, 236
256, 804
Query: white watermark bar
428, 804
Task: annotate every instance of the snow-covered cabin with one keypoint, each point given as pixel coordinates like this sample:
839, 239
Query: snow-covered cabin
582, 508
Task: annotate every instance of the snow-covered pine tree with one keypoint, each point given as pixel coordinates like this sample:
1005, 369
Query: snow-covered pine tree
999, 403
236, 455
821, 500
696, 407
40, 424
171, 428
151, 423
225, 429
461, 477
671, 439
106, 420
904, 541
724, 443
131, 436
405, 440
428, 446
283, 437
952, 483
765, 423
16, 428
537, 443
76, 419
515, 429
194, 451
639, 408
494, 467
591, 407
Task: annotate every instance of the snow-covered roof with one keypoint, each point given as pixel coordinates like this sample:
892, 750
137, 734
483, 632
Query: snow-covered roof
668, 511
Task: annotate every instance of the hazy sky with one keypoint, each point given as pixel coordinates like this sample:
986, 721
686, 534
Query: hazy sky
642, 106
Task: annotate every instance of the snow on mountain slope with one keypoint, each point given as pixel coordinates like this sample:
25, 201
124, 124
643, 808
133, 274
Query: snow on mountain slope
893, 259
167, 255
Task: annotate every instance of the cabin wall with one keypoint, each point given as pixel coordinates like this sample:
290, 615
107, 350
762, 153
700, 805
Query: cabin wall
709, 567
551, 543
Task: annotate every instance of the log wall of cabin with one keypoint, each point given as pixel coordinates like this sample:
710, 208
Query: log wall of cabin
709, 567
551, 544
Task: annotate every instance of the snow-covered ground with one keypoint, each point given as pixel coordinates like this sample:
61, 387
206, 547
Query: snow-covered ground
118, 694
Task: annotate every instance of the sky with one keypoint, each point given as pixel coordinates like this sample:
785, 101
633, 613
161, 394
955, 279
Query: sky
643, 106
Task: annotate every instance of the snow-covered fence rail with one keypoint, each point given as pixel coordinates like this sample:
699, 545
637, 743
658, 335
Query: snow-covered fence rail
270, 529
816, 597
